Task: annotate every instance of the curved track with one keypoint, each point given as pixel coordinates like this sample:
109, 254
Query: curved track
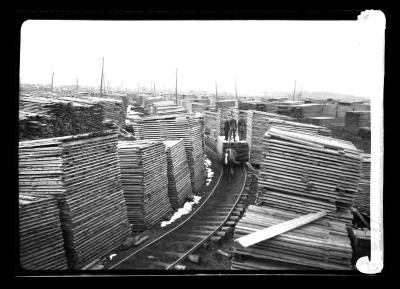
171, 248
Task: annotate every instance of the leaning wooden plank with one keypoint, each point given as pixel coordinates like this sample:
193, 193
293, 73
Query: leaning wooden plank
278, 229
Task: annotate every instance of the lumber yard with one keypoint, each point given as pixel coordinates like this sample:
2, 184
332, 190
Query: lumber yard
129, 180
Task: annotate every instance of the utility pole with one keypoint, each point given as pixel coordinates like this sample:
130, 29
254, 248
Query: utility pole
216, 91
155, 93
176, 86
294, 91
236, 90
52, 77
101, 81
77, 84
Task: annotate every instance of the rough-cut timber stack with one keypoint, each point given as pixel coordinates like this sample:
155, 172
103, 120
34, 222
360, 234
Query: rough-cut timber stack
148, 102
258, 123
321, 244
307, 173
87, 115
241, 148
197, 137
179, 185
144, 181
40, 236
199, 107
33, 104
34, 125
356, 119
137, 124
301, 111
176, 127
252, 105
171, 110
362, 198
120, 97
343, 107
226, 104
58, 117
167, 107
211, 121
113, 108
200, 119
83, 172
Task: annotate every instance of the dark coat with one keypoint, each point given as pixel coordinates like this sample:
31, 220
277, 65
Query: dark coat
226, 126
232, 123
241, 124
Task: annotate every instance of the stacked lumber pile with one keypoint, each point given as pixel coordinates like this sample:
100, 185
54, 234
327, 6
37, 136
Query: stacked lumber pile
135, 109
307, 173
272, 107
241, 148
362, 198
201, 120
43, 117
176, 127
84, 173
87, 114
212, 121
258, 123
113, 108
144, 182
364, 132
322, 244
344, 107
34, 125
301, 111
148, 102
171, 110
252, 105
179, 184
199, 107
120, 97
325, 121
161, 104
361, 241
33, 104
137, 124
197, 137
40, 236
356, 119
226, 104
361, 106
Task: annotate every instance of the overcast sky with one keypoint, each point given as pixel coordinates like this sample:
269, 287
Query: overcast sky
262, 55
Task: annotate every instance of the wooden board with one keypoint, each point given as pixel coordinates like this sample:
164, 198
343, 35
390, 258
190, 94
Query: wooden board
318, 245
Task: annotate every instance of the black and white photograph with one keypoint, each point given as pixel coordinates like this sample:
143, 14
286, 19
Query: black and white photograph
169, 146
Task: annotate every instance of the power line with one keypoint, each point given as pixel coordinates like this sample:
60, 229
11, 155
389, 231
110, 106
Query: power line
294, 91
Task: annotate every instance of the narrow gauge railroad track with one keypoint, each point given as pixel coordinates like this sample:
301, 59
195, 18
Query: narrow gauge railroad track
174, 246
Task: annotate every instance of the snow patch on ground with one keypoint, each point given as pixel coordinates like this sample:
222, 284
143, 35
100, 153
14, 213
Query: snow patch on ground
186, 209
210, 172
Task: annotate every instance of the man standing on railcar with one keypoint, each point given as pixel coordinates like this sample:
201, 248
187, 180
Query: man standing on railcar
226, 128
242, 127
232, 128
